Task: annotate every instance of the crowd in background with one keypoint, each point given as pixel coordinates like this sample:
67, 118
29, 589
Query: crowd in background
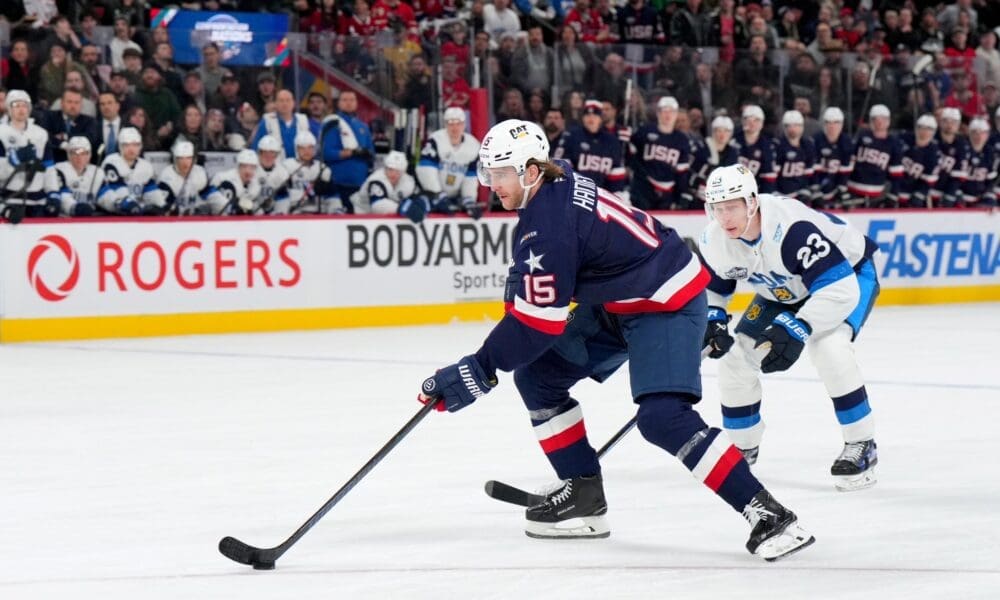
92, 69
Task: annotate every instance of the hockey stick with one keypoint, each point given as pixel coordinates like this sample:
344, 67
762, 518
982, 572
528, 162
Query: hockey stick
503, 492
264, 558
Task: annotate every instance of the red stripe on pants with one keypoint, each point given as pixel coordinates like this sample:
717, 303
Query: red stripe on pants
567, 437
721, 470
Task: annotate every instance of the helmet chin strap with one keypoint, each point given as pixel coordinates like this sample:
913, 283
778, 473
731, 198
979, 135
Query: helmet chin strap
526, 188
751, 213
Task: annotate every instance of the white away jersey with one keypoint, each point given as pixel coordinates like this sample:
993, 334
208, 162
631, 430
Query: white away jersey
377, 189
308, 185
134, 182
801, 253
12, 138
189, 193
232, 193
69, 188
449, 169
273, 196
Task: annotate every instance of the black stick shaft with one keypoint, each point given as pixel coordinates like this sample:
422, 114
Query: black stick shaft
617, 437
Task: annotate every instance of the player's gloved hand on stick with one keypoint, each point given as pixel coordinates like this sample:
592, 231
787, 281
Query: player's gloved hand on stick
458, 385
128, 206
442, 204
717, 336
472, 207
23, 154
415, 208
787, 336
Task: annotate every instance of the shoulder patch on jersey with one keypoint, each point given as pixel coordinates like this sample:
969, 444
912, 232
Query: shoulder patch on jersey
736, 273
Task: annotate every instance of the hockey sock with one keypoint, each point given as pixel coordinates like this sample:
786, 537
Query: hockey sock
670, 422
854, 415
563, 437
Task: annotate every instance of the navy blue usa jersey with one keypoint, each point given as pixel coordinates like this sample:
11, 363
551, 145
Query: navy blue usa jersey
981, 175
877, 162
951, 172
596, 155
796, 167
834, 163
920, 171
577, 242
640, 26
730, 155
660, 167
759, 158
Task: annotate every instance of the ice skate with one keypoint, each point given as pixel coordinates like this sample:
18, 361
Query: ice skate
774, 530
854, 469
573, 508
750, 454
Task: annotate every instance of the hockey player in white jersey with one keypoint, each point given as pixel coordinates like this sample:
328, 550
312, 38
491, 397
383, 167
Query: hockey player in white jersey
310, 188
184, 183
24, 156
390, 190
273, 179
815, 285
72, 185
129, 182
447, 167
238, 188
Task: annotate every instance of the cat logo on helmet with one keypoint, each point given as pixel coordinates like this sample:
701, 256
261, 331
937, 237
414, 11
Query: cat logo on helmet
519, 132
753, 312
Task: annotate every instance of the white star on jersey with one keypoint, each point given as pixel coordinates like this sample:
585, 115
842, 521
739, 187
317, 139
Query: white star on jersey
534, 262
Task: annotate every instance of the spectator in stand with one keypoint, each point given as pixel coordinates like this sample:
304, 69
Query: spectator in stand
133, 67
537, 106
18, 71
160, 104
829, 92
788, 28
991, 99
989, 58
512, 106
932, 37
754, 75
266, 91
163, 56
228, 98
348, 148
700, 93
64, 34
611, 82
120, 88
554, 125
138, 119
360, 23
964, 97
456, 45
906, 34
455, 90
675, 75
308, 18
130, 10
689, 25
863, 95
811, 126
474, 15
211, 69
330, 17
190, 129
418, 88
802, 78
317, 108
950, 15
52, 76
759, 27
572, 107
193, 92
401, 51
88, 35
75, 82
960, 55
385, 10
122, 39
284, 124
574, 62
220, 135
428, 10
532, 64
98, 75
67, 122
824, 44
725, 31
108, 126
499, 18
584, 19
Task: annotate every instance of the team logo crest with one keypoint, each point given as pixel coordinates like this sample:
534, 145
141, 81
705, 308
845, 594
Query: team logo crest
753, 313
782, 294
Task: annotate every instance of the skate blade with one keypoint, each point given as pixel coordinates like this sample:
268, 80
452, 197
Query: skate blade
578, 528
853, 483
786, 543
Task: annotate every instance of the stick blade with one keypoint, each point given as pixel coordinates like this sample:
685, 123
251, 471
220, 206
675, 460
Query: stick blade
245, 554
499, 490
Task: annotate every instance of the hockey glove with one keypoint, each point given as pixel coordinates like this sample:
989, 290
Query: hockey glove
787, 336
442, 205
52, 206
472, 208
415, 209
23, 154
458, 385
717, 336
83, 209
918, 200
949, 201
128, 206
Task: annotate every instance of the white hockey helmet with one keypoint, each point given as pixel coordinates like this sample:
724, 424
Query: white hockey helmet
182, 149
454, 113
304, 138
730, 183
129, 135
792, 117
833, 115
512, 143
667, 103
951, 113
979, 124
268, 143
396, 160
723, 122
879, 110
927, 121
17, 96
752, 111
78, 142
247, 157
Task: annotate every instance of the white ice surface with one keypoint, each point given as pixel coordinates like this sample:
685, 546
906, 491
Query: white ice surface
125, 462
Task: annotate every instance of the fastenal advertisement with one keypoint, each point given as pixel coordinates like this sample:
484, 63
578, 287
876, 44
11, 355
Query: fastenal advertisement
297, 272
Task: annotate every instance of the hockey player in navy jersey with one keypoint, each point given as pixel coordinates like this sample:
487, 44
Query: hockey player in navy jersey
721, 152
795, 160
756, 148
954, 152
835, 150
815, 285
921, 158
877, 166
980, 187
640, 291
660, 157
594, 151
